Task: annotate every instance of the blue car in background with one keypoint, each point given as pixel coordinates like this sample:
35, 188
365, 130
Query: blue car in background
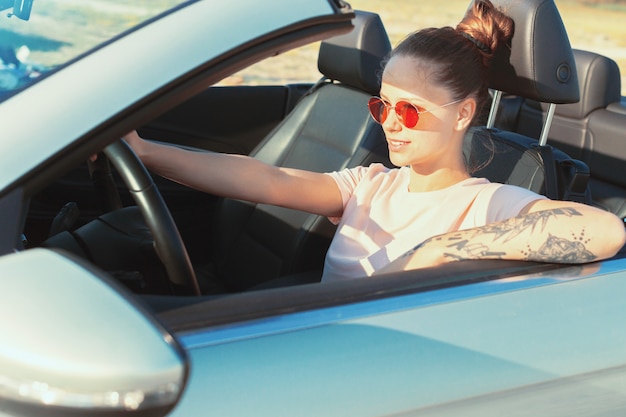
124, 294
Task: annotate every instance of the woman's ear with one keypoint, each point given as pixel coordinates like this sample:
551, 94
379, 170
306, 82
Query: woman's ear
467, 109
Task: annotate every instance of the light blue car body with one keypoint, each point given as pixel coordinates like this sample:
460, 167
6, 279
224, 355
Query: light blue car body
519, 346
547, 343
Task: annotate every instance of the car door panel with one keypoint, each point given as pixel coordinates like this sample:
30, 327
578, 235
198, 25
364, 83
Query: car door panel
420, 354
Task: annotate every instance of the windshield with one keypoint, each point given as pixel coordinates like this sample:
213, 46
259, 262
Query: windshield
55, 32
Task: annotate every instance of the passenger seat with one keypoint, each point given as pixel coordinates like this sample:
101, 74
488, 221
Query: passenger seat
592, 130
538, 65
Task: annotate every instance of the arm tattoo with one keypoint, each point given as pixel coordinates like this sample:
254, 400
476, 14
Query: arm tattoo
513, 227
472, 250
554, 249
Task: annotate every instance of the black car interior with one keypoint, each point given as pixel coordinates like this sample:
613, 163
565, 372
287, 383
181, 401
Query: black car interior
538, 66
592, 130
327, 127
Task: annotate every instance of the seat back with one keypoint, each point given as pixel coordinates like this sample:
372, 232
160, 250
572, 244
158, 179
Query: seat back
329, 129
591, 130
539, 65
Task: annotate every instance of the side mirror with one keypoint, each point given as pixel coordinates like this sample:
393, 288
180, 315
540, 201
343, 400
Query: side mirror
72, 344
21, 8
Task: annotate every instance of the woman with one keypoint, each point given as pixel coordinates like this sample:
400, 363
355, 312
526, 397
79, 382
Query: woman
433, 86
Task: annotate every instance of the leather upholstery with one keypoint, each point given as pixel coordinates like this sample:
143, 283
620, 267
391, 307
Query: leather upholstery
329, 129
512, 158
600, 86
540, 64
606, 157
355, 58
591, 130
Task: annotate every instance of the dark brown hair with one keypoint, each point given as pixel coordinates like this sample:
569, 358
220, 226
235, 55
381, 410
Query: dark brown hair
459, 58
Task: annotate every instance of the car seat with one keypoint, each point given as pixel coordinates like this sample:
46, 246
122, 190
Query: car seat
329, 129
539, 65
591, 130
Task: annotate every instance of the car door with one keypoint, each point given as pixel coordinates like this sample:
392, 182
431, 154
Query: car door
535, 342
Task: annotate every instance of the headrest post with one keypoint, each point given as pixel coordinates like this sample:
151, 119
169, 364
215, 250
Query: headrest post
543, 140
495, 103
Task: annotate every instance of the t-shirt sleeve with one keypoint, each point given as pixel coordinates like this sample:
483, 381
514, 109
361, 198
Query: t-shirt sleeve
349, 178
506, 201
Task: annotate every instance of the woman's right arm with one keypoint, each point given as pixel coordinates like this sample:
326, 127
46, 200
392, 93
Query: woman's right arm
241, 177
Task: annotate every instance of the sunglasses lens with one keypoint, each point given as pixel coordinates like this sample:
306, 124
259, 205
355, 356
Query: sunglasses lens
408, 113
378, 110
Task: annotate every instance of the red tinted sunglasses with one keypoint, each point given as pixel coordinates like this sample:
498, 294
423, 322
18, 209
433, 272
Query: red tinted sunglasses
408, 114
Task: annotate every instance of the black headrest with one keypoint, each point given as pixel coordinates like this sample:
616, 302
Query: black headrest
599, 84
355, 58
540, 63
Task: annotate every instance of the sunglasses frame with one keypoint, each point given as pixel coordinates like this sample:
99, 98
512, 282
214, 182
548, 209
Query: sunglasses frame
399, 114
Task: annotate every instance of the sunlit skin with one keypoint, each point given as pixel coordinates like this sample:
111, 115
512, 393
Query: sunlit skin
433, 148
545, 230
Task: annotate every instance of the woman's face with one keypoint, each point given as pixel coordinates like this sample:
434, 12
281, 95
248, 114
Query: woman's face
435, 142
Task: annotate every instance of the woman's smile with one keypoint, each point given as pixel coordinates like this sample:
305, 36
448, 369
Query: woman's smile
397, 145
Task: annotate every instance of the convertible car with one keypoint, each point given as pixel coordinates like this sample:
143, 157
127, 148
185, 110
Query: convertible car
127, 294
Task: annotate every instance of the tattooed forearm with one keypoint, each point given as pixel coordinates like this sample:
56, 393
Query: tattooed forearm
554, 249
572, 234
557, 249
467, 250
513, 227
504, 240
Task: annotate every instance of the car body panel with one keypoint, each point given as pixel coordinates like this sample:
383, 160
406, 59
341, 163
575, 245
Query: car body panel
507, 339
415, 352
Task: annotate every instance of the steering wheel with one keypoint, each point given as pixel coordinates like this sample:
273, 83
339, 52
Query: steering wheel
168, 243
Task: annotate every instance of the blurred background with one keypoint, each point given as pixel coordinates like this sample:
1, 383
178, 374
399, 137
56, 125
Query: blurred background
50, 37
594, 25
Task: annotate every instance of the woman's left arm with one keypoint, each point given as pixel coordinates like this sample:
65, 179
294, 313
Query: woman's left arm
545, 231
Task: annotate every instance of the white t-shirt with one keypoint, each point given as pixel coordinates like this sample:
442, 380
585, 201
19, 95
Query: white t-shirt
382, 219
